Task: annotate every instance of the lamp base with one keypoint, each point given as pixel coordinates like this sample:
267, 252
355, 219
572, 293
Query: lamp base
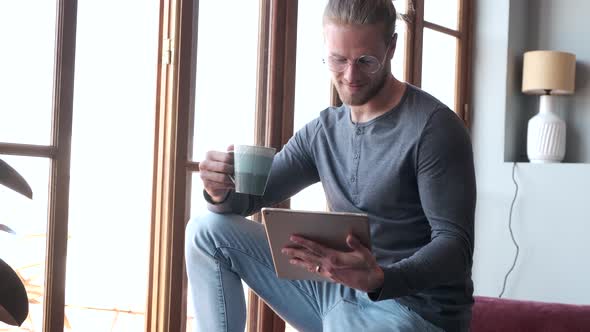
544, 161
546, 134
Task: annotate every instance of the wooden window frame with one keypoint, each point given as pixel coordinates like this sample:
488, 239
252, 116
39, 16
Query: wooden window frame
275, 98
173, 166
173, 142
415, 45
59, 154
173, 163
171, 189
276, 90
275, 110
412, 68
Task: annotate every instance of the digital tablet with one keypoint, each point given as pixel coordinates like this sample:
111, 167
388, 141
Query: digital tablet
327, 228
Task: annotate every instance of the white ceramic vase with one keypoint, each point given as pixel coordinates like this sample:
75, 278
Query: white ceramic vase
546, 134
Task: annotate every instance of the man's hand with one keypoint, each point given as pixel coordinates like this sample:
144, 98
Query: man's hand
357, 268
215, 172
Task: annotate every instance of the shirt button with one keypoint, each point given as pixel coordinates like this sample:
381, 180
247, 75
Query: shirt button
359, 131
353, 179
356, 155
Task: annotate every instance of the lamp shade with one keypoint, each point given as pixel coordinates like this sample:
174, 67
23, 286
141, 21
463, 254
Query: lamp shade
551, 71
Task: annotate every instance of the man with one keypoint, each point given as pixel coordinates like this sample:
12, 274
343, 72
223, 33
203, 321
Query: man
391, 151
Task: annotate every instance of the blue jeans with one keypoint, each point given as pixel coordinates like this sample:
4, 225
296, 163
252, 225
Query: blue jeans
224, 249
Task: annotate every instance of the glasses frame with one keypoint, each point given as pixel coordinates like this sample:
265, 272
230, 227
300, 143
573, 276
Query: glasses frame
350, 62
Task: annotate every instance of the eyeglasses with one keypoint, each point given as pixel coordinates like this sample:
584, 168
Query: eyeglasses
368, 64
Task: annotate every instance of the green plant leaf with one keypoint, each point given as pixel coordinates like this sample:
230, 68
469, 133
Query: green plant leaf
11, 179
6, 229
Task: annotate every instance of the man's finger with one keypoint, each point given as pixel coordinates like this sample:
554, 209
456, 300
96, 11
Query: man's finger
303, 264
312, 267
301, 254
349, 260
312, 246
215, 186
215, 177
354, 244
220, 156
216, 166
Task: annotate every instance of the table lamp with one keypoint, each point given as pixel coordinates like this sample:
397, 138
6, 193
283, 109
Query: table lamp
547, 73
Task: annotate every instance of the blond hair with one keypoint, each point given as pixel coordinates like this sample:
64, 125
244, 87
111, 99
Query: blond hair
362, 12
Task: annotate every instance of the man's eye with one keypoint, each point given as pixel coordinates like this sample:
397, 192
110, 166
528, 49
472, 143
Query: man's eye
366, 61
338, 60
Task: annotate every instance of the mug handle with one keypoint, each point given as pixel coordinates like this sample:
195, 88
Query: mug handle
231, 177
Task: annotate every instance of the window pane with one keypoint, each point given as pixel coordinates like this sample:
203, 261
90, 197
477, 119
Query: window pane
112, 165
401, 6
439, 64
312, 80
312, 87
226, 71
27, 31
225, 94
25, 251
442, 12
226, 75
399, 57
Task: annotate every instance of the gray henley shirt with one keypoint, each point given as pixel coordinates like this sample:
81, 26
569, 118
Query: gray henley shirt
411, 170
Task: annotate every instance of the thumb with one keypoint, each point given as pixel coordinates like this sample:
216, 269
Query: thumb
230, 147
353, 242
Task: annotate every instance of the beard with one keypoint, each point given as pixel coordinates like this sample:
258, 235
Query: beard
362, 96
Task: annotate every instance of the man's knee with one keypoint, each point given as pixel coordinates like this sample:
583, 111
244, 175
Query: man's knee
204, 232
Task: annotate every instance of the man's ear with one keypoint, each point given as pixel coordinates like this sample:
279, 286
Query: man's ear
393, 47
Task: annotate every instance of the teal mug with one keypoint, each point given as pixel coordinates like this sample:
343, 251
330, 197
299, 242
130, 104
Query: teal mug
251, 168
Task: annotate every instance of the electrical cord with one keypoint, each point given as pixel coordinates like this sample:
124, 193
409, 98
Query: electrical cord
511, 232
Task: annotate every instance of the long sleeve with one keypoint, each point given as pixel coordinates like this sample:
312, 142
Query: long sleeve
446, 184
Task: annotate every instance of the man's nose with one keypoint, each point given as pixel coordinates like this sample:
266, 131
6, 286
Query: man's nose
352, 72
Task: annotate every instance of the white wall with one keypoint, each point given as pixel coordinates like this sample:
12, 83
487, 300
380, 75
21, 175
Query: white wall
552, 212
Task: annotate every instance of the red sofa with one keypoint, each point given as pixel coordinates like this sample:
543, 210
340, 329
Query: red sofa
504, 315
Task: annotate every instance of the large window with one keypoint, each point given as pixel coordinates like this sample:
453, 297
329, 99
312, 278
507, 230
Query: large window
25, 251
113, 166
27, 31
438, 50
105, 220
312, 87
26, 86
398, 63
225, 93
432, 53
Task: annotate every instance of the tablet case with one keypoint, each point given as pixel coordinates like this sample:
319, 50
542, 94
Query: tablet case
327, 228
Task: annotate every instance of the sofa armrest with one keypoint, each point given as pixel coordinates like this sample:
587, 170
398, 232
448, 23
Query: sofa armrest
495, 314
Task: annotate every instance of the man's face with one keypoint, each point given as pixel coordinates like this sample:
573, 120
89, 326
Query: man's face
350, 42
